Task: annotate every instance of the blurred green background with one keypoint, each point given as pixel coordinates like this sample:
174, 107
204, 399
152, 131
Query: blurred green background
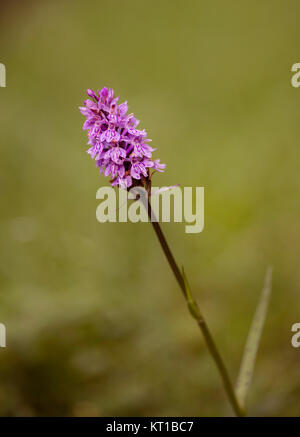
96, 324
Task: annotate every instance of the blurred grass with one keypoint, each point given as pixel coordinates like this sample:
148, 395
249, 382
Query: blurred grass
95, 322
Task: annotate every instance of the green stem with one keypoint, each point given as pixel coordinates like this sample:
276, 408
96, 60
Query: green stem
199, 318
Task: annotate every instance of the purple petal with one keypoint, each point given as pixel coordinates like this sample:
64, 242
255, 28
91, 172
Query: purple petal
135, 172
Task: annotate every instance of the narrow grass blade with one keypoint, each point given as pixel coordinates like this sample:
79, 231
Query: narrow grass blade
250, 351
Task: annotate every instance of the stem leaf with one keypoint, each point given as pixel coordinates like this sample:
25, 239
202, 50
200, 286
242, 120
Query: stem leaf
191, 303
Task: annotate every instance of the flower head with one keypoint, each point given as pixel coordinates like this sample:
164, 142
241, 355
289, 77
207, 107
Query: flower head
120, 150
